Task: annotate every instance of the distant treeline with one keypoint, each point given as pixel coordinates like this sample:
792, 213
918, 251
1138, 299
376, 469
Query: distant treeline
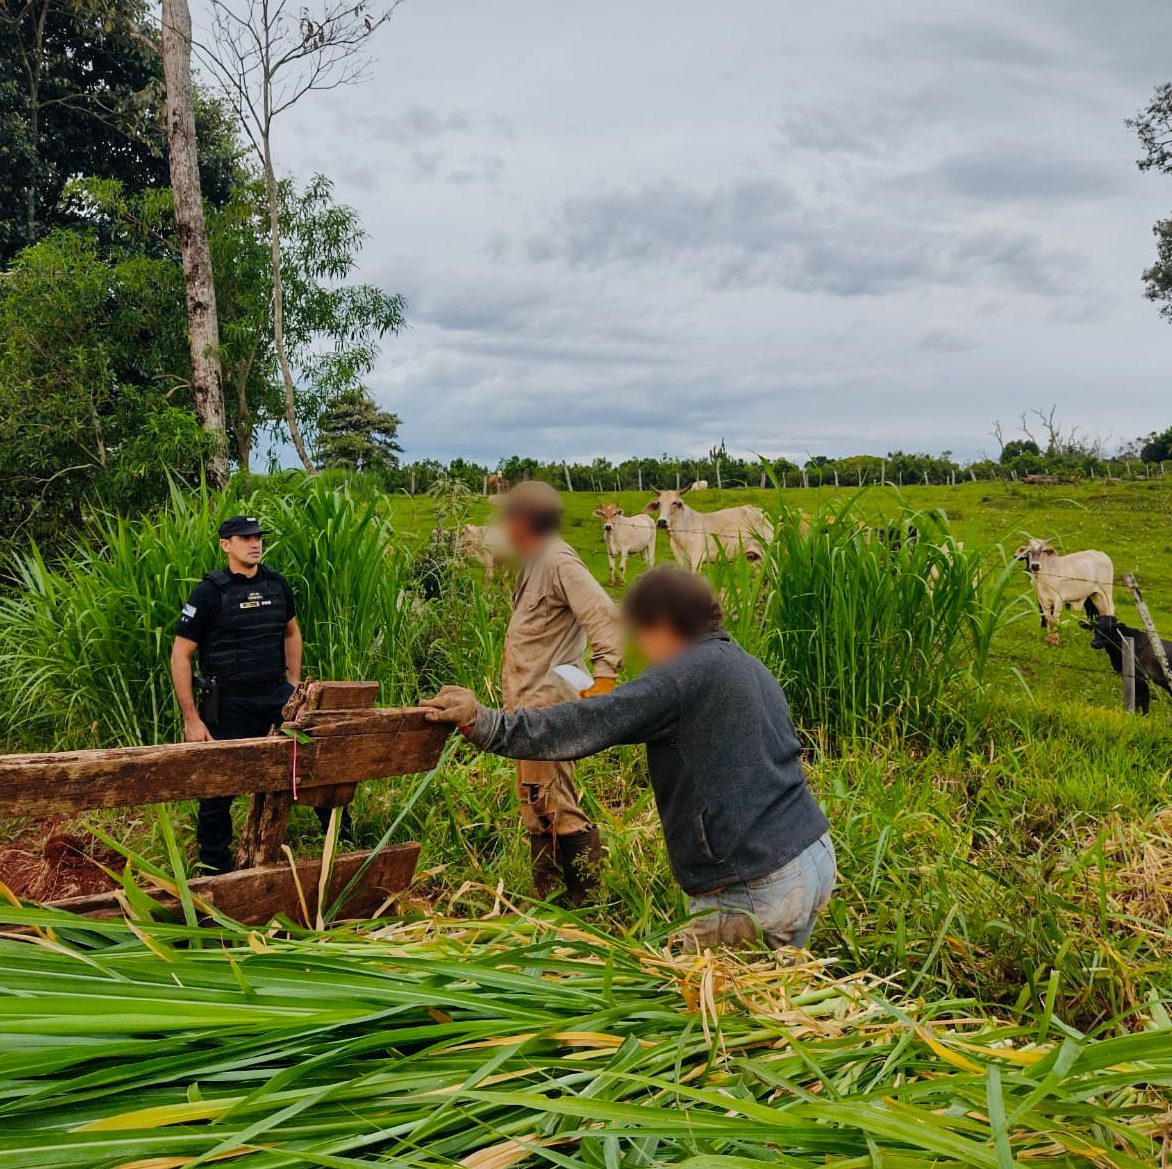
1023, 461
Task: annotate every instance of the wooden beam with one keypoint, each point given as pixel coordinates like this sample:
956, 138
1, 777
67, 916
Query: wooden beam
344, 747
256, 896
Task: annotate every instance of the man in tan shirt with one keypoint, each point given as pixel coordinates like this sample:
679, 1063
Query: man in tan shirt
558, 607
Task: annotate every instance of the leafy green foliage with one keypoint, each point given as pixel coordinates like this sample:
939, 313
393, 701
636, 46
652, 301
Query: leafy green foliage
81, 94
88, 413
353, 433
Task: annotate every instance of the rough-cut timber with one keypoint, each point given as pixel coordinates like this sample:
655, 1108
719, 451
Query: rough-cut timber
345, 747
268, 812
256, 896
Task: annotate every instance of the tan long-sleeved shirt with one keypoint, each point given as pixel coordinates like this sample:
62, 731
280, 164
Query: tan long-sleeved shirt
558, 607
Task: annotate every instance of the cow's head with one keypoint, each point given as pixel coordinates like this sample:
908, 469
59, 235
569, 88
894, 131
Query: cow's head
1105, 630
669, 506
471, 538
1034, 553
607, 512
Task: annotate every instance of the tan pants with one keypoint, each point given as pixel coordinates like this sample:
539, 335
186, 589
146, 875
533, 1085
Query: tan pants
549, 799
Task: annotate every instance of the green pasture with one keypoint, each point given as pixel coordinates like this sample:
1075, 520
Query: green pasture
1019, 852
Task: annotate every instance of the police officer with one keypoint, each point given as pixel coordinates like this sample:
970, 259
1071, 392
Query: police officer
242, 621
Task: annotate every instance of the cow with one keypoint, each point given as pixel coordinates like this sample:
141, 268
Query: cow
484, 543
698, 485
1081, 578
697, 536
497, 484
623, 534
1109, 633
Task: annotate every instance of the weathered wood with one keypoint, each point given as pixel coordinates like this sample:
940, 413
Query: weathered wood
1146, 617
1127, 671
345, 747
256, 896
268, 812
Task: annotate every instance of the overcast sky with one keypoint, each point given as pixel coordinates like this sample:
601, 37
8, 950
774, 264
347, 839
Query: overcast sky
630, 227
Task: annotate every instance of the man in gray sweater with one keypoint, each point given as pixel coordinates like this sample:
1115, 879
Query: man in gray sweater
745, 838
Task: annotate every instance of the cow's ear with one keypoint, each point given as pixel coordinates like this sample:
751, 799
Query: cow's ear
653, 506
597, 511
619, 511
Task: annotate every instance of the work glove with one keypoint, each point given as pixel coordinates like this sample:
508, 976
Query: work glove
454, 705
601, 686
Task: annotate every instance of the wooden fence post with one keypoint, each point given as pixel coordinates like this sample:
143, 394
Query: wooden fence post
1128, 672
1146, 617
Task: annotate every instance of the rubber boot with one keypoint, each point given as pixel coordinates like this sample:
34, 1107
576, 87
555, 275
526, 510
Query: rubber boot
580, 858
546, 877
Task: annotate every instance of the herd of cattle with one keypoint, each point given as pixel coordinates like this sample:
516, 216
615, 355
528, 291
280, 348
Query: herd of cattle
1083, 579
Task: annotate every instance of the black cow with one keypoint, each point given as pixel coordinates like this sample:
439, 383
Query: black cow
1109, 634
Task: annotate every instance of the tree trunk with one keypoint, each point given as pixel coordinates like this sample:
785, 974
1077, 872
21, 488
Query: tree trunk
279, 312
203, 329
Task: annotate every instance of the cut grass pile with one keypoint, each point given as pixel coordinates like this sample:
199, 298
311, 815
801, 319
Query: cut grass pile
513, 1041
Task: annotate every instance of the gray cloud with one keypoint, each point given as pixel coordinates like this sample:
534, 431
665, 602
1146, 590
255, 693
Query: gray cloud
802, 228
758, 232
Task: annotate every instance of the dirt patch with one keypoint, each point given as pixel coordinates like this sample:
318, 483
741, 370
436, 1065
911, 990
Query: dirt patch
66, 865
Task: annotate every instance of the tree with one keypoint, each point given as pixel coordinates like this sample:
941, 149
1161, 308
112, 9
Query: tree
355, 434
1156, 448
333, 327
84, 411
1153, 125
203, 329
1016, 447
267, 59
81, 85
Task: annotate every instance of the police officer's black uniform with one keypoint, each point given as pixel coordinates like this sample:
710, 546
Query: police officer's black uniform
238, 622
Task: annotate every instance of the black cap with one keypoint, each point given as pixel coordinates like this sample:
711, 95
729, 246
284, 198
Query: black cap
241, 525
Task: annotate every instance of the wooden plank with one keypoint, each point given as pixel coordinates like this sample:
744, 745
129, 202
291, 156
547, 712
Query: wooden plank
347, 747
343, 695
256, 896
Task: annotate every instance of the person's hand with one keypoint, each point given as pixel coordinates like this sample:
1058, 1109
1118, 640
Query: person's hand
453, 704
194, 731
601, 686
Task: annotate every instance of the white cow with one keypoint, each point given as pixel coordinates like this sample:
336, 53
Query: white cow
484, 543
1081, 578
697, 536
623, 534
699, 485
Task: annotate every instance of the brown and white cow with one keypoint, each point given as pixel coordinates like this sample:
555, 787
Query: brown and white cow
697, 536
623, 534
484, 543
1081, 578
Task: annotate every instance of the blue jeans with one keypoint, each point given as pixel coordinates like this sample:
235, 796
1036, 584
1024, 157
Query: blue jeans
779, 908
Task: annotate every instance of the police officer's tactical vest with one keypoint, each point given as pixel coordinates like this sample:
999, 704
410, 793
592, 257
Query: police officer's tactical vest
246, 644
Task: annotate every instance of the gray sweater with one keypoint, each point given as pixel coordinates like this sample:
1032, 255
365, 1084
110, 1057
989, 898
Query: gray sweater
723, 757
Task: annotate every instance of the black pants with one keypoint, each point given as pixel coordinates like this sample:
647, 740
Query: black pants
245, 716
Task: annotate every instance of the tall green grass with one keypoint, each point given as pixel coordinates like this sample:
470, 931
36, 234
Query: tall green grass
870, 637
84, 642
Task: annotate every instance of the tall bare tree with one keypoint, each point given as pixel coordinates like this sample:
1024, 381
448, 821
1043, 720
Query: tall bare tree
202, 323
267, 55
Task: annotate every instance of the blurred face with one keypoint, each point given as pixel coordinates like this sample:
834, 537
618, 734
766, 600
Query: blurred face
520, 534
243, 550
656, 643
